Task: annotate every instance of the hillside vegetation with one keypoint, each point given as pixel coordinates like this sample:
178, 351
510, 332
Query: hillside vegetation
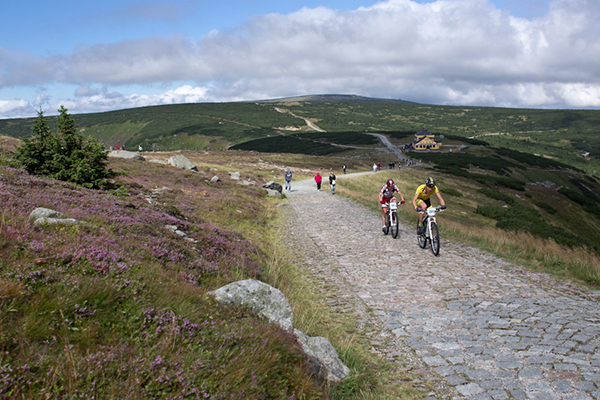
556, 134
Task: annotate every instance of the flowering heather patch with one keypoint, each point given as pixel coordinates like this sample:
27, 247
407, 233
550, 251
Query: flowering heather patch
115, 307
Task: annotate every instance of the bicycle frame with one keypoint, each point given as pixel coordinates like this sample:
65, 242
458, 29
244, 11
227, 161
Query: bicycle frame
431, 230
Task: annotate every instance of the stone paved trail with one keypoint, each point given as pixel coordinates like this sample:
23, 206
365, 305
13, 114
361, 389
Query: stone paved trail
475, 326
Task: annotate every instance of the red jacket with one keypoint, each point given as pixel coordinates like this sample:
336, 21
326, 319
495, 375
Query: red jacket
318, 178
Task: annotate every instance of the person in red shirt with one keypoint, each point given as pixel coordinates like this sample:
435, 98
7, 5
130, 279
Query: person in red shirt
318, 179
386, 194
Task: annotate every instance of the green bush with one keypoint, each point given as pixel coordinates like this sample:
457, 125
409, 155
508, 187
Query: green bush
545, 206
66, 155
498, 195
451, 192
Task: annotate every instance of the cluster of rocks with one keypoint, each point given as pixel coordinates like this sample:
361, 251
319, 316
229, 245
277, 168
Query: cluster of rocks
273, 188
546, 184
268, 302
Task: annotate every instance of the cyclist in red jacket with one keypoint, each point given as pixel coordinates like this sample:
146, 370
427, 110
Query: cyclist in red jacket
386, 194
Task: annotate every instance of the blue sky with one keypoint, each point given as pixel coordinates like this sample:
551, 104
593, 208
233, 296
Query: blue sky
99, 56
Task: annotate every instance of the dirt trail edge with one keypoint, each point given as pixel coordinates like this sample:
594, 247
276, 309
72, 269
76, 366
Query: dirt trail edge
471, 324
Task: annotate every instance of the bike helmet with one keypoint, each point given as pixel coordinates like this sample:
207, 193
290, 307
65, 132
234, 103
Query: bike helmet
430, 182
390, 183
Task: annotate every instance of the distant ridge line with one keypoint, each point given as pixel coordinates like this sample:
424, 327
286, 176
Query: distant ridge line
329, 97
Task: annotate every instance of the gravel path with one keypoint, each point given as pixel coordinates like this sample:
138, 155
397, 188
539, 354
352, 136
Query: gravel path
472, 325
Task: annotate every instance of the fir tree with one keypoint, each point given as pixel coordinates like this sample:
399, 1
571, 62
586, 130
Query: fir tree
66, 155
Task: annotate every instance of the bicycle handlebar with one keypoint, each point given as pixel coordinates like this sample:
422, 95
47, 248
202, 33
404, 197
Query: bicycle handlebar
438, 208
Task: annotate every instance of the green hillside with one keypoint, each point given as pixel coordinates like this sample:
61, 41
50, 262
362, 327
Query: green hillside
555, 134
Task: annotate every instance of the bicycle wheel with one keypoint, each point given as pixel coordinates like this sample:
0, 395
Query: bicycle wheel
387, 225
395, 225
421, 238
435, 239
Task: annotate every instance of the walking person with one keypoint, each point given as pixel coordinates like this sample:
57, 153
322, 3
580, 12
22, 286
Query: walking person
318, 179
332, 182
288, 180
344, 168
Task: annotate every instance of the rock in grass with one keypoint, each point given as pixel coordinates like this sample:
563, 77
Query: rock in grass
264, 300
125, 154
270, 303
323, 359
182, 162
273, 186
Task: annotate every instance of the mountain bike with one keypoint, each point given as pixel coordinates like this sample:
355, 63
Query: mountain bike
431, 229
391, 220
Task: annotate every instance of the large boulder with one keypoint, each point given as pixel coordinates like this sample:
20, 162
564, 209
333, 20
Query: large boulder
125, 154
182, 162
270, 303
273, 186
323, 359
264, 300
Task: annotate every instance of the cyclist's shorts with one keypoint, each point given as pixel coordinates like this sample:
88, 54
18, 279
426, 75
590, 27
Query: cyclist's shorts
427, 202
384, 201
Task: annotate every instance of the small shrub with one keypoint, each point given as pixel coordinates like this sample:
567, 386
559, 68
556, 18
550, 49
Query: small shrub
498, 195
451, 192
545, 206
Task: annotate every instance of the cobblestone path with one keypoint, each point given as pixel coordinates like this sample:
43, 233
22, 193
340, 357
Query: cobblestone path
477, 326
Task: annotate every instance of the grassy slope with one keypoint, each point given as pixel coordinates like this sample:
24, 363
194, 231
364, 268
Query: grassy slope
118, 307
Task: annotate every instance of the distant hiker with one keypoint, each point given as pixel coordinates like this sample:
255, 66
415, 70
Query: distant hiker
332, 182
140, 148
374, 167
344, 168
288, 180
117, 147
318, 179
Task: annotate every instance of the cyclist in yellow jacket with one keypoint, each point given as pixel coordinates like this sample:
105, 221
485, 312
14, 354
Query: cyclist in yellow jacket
422, 200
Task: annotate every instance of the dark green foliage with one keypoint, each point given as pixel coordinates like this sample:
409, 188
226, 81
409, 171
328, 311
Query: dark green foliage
66, 155
451, 192
345, 138
448, 161
585, 190
498, 195
472, 142
289, 144
526, 219
545, 206
530, 159
584, 202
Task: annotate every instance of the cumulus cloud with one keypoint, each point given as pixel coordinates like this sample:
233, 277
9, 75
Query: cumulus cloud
463, 52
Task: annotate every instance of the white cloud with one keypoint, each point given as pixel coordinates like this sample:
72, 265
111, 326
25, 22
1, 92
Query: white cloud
443, 52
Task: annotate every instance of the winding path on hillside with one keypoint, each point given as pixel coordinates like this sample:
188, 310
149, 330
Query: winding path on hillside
472, 325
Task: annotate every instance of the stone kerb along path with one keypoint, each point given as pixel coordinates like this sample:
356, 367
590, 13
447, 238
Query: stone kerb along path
473, 325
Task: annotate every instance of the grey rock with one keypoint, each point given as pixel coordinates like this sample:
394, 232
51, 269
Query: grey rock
42, 212
273, 186
235, 176
126, 154
55, 221
215, 179
265, 300
182, 162
322, 357
274, 193
45, 216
